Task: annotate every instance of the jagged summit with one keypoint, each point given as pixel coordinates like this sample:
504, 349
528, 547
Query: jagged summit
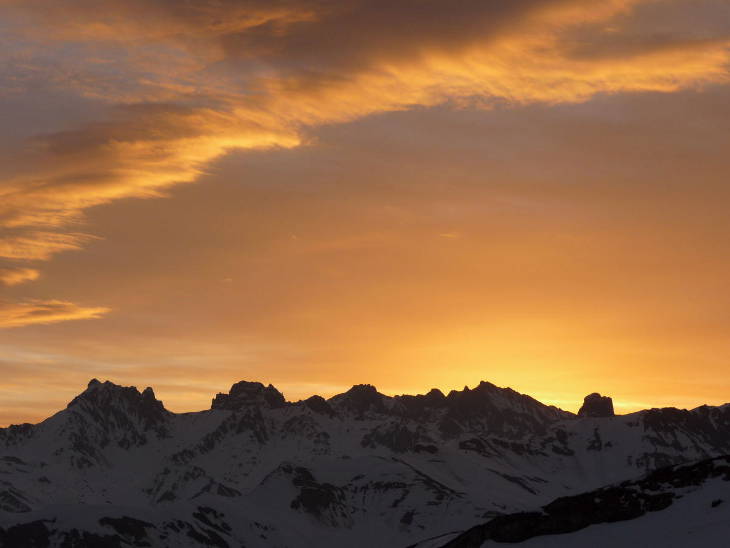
489, 398
319, 405
595, 405
107, 393
417, 406
361, 468
360, 399
435, 395
102, 400
245, 393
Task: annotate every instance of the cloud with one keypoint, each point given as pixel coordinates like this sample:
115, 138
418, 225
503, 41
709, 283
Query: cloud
141, 152
187, 83
279, 72
39, 245
35, 312
130, 20
15, 276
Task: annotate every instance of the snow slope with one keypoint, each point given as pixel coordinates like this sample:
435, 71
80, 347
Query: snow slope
359, 469
680, 506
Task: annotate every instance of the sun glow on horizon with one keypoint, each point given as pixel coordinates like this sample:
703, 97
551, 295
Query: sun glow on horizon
320, 194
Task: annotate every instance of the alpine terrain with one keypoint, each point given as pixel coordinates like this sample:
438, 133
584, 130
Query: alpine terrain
472, 468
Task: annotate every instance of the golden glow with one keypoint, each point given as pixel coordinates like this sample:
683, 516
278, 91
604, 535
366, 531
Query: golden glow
149, 147
413, 265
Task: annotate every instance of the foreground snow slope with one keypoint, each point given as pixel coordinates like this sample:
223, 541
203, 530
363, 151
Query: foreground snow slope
679, 506
359, 469
691, 521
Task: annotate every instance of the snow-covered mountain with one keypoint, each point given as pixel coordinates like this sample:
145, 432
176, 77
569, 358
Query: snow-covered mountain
672, 507
116, 468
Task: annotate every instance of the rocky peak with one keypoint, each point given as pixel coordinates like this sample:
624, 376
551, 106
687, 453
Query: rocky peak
595, 405
419, 407
435, 395
121, 409
360, 398
107, 395
488, 398
319, 405
500, 411
244, 394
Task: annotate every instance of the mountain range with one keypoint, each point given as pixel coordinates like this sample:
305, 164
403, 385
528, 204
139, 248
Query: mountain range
470, 468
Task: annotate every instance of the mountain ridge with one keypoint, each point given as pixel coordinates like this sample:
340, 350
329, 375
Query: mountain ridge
385, 470
435, 396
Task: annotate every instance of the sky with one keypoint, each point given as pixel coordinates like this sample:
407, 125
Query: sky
320, 193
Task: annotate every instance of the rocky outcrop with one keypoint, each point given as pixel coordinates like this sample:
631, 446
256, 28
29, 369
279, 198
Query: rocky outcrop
319, 405
106, 415
323, 501
595, 405
101, 400
360, 399
244, 394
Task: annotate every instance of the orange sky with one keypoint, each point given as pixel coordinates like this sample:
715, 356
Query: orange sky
411, 194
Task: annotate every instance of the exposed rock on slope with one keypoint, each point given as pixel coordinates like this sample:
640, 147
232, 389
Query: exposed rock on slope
360, 468
595, 405
245, 393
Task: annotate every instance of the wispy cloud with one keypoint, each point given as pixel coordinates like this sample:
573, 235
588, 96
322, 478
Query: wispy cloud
36, 312
15, 276
40, 245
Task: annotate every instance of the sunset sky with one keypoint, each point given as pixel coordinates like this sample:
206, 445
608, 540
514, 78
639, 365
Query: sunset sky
318, 193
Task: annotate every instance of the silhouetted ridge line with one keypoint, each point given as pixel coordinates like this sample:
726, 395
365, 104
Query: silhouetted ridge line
360, 468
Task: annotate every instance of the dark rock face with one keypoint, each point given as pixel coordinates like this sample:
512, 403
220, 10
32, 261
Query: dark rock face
419, 406
629, 500
324, 501
38, 534
13, 501
708, 424
398, 439
501, 411
595, 405
105, 401
107, 414
319, 405
359, 399
206, 527
244, 393
128, 527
